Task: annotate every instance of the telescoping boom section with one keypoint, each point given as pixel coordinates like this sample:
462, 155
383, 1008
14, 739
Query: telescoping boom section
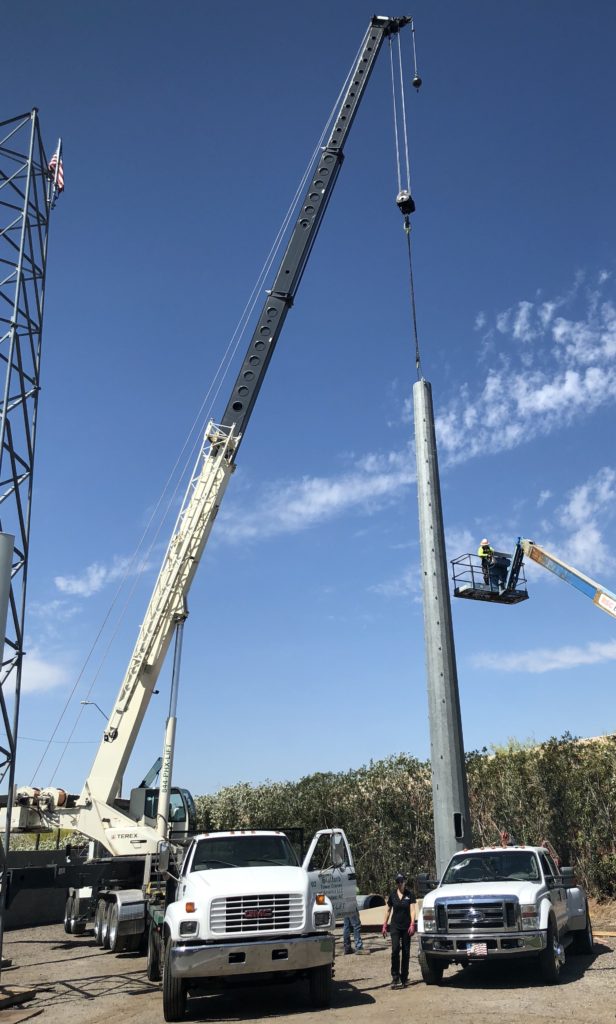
500, 578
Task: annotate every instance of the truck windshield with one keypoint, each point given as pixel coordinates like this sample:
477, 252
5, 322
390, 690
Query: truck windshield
493, 866
243, 852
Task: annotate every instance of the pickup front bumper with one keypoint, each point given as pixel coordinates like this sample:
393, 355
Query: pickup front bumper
463, 945
240, 958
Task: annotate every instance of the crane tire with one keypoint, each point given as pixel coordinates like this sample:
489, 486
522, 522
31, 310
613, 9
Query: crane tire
68, 914
153, 969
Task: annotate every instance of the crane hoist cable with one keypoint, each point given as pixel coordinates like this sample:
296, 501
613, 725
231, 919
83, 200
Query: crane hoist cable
404, 199
141, 557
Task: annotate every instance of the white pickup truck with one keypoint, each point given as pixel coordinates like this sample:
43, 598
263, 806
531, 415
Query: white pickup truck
245, 906
503, 902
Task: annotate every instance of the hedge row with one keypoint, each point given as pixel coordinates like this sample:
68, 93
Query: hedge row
563, 790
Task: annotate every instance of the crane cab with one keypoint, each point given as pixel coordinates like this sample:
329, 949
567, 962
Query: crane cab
502, 583
143, 807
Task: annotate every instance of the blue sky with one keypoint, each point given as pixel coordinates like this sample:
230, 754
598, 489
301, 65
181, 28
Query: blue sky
185, 136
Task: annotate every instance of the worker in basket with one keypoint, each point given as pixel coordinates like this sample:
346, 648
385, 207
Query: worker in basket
485, 552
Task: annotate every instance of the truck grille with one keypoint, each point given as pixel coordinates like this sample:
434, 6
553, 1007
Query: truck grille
476, 915
276, 912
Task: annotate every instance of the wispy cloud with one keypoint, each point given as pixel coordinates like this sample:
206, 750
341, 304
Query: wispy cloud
567, 373
97, 576
406, 584
543, 497
582, 517
296, 505
40, 673
545, 659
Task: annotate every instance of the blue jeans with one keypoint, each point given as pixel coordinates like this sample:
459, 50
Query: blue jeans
352, 921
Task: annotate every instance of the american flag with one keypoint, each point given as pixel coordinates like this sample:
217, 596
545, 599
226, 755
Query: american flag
56, 169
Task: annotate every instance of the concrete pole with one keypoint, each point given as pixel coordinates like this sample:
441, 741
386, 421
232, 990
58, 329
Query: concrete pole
452, 829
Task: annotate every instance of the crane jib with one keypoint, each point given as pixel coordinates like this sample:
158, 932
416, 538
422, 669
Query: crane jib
280, 298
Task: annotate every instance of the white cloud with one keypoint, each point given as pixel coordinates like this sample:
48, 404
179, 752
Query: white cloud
56, 610
296, 505
522, 329
40, 674
97, 576
480, 320
545, 659
582, 516
543, 497
407, 584
565, 375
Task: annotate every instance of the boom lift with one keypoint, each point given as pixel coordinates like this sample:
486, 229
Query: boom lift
140, 828
470, 582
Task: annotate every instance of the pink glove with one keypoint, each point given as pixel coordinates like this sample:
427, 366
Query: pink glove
384, 931
412, 928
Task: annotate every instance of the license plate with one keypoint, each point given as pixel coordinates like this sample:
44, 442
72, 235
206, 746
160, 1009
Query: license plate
477, 949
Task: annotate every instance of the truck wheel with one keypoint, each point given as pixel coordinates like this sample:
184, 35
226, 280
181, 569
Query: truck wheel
431, 969
174, 990
583, 941
72, 924
99, 918
68, 914
153, 965
320, 980
116, 941
551, 958
105, 927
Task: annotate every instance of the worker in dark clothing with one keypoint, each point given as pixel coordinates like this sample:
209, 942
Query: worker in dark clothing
401, 908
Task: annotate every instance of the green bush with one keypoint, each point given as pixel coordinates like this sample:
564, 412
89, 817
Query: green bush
563, 790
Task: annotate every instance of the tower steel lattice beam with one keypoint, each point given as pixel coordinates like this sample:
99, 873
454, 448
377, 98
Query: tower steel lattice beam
26, 198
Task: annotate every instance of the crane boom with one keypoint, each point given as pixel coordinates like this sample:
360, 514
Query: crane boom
599, 594
94, 813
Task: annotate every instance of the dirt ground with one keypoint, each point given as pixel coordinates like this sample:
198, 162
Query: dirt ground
75, 982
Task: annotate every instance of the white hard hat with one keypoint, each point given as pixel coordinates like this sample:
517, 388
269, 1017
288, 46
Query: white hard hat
485, 541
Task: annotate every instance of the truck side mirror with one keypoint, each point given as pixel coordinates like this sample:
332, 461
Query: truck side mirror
568, 877
163, 857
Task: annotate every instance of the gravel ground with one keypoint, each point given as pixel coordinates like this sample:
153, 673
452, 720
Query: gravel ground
75, 982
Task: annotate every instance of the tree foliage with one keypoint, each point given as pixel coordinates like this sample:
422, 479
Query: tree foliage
563, 790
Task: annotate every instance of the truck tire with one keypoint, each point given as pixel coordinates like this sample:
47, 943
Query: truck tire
113, 938
99, 917
68, 914
153, 965
551, 957
320, 981
431, 969
105, 927
583, 941
72, 924
174, 990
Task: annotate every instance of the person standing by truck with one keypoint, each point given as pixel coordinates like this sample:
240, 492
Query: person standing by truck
401, 909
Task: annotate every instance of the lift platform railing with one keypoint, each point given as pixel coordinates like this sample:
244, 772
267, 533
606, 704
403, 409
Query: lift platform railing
472, 580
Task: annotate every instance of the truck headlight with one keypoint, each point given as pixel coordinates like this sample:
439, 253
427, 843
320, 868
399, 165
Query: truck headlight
322, 919
529, 916
429, 919
189, 928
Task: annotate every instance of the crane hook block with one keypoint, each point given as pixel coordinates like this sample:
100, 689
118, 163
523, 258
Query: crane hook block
417, 82
404, 202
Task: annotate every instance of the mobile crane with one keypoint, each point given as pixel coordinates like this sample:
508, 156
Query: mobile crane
136, 835
472, 582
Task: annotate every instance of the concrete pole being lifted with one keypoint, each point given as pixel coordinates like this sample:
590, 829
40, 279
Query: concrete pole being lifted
452, 829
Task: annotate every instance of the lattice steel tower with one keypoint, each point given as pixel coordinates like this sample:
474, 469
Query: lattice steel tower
27, 194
